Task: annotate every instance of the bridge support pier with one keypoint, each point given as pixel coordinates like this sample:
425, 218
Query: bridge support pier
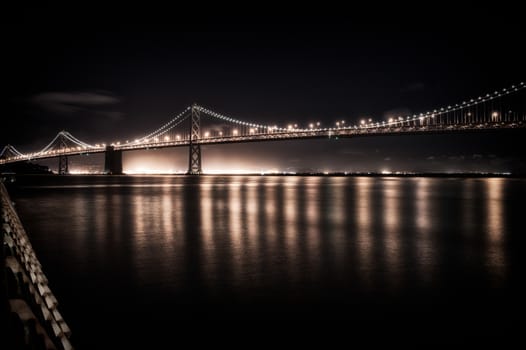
63, 167
194, 157
112, 161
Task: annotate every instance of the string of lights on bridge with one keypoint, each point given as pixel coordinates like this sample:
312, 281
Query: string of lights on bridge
64, 142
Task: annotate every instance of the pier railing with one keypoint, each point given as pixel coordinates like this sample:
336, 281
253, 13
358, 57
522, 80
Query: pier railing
33, 317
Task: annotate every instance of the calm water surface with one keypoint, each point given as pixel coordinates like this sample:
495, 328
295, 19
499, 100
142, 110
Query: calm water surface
139, 258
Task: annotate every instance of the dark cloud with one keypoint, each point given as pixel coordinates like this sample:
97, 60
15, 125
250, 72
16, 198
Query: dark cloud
397, 112
111, 115
417, 86
66, 103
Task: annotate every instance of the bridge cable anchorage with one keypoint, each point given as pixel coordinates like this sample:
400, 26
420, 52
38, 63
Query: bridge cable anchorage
194, 156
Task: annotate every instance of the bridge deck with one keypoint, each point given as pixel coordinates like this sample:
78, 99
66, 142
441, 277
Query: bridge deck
288, 135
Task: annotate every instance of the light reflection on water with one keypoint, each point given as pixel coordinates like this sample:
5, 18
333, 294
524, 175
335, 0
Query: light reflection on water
391, 222
245, 241
297, 224
495, 202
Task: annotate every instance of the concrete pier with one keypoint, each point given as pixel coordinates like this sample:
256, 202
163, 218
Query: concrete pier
113, 161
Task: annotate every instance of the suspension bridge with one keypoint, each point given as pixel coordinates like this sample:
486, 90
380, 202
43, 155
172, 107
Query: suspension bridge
196, 126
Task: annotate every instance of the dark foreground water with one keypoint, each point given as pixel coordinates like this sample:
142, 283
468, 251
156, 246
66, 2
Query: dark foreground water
212, 259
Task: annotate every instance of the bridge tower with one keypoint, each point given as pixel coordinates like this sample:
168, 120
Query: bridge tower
194, 157
63, 167
112, 161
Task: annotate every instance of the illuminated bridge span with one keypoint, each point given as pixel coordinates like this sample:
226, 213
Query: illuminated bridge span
196, 126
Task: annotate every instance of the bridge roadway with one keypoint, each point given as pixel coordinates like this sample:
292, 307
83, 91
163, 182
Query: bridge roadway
294, 134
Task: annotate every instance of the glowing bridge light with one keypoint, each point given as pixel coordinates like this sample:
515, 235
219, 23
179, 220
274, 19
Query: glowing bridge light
235, 132
497, 115
177, 137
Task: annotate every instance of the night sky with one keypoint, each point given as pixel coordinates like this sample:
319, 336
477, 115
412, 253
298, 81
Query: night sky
106, 76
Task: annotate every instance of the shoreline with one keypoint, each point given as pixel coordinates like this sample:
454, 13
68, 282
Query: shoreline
334, 174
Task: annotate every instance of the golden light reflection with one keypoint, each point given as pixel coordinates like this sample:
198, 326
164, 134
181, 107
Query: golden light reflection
495, 200
151, 219
178, 210
425, 249
138, 212
291, 223
235, 227
423, 219
392, 214
251, 219
494, 208
313, 233
364, 240
137, 201
167, 213
272, 226
338, 219
208, 253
